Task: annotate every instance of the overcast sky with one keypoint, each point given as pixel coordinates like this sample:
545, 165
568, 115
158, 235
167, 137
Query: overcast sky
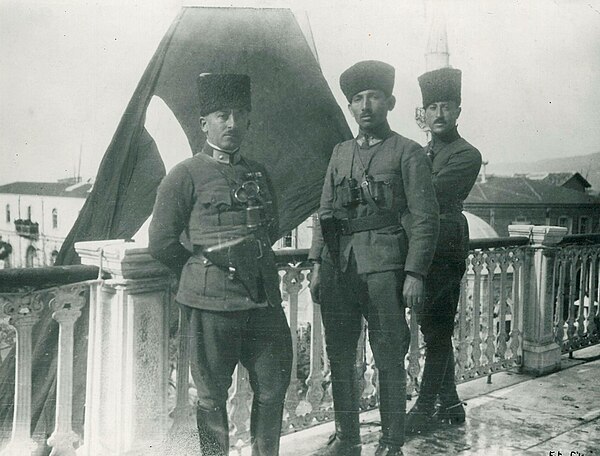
530, 71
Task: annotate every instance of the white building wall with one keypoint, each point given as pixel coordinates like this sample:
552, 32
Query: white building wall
50, 238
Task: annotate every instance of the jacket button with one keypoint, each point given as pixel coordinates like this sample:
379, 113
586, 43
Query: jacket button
205, 261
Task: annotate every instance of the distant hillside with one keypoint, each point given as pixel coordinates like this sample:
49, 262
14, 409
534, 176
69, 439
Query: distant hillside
587, 165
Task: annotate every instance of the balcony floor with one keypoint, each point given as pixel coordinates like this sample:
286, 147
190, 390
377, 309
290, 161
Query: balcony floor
515, 415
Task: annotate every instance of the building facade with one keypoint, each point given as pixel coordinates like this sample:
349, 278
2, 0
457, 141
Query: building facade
35, 219
519, 200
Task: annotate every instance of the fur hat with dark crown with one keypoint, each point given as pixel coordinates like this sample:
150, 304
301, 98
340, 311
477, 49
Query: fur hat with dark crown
218, 91
443, 84
367, 75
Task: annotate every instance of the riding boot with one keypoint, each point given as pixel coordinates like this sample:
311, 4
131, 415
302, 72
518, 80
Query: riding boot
449, 407
344, 386
392, 406
213, 430
265, 429
420, 417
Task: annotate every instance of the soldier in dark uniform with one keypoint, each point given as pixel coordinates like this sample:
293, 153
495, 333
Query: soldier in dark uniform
455, 165
375, 184
229, 286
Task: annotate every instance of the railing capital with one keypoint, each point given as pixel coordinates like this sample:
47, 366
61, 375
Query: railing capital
127, 370
121, 259
539, 235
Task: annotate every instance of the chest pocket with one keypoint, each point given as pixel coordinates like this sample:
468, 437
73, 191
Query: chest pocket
216, 200
387, 190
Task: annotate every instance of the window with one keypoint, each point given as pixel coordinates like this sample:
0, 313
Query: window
521, 220
288, 239
585, 224
567, 222
28, 212
8, 213
54, 218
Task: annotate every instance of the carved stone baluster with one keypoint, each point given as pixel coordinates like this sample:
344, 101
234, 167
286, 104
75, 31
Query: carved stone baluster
593, 294
291, 285
23, 311
368, 370
414, 354
315, 392
463, 342
66, 304
572, 291
515, 332
559, 321
501, 348
240, 400
490, 345
183, 408
583, 282
476, 325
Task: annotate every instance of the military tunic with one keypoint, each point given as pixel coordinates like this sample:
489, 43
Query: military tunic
455, 166
229, 321
372, 268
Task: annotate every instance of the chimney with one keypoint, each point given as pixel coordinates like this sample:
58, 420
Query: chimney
483, 173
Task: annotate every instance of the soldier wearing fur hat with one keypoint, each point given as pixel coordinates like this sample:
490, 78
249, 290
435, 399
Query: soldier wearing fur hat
379, 220
229, 287
455, 165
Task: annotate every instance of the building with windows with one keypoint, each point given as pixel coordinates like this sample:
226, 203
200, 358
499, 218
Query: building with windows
35, 218
560, 199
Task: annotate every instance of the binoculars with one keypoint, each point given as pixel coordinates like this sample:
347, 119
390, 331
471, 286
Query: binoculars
248, 195
353, 193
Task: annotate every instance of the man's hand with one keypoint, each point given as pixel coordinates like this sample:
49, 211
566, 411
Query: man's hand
413, 292
315, 283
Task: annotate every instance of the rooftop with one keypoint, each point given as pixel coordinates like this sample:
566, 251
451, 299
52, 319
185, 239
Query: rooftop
67, 188
521, 190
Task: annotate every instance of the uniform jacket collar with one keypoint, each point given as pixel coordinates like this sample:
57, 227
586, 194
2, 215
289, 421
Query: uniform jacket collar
220, 155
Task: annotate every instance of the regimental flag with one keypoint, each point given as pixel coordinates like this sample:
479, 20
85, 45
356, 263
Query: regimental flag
295, 124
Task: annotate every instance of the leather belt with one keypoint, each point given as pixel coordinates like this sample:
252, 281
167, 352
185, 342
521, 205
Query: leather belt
368, 223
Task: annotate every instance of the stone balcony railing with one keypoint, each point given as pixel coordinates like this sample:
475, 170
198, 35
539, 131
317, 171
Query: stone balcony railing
525, 300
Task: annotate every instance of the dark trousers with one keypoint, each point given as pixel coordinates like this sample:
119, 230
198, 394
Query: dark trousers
259, 339
345, 298
442, 292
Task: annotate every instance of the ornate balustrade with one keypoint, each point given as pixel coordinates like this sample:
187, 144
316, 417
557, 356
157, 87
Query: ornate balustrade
524, 300
576, 276
26, 296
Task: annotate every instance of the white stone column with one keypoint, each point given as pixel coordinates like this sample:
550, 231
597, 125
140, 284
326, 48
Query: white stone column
541, 354
23, 310
127, 372
66, 304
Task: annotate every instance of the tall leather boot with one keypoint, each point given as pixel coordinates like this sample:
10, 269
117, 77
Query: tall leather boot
392, 408
213, 430
265, 428
449, 407
346, 440
421, 416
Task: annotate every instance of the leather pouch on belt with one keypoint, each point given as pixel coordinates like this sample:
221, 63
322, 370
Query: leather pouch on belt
241, 259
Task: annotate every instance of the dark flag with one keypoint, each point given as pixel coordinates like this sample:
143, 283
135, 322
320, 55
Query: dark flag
295, 124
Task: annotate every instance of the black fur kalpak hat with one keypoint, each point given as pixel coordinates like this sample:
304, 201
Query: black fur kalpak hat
440, 85
223, 91
367, 75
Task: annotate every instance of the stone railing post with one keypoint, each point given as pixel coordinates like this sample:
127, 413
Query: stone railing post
24, 312
66, 304
127, 371
541, 354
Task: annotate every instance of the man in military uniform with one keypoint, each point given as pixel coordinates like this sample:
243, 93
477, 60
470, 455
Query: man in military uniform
375, 184
229, 287
455, 165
